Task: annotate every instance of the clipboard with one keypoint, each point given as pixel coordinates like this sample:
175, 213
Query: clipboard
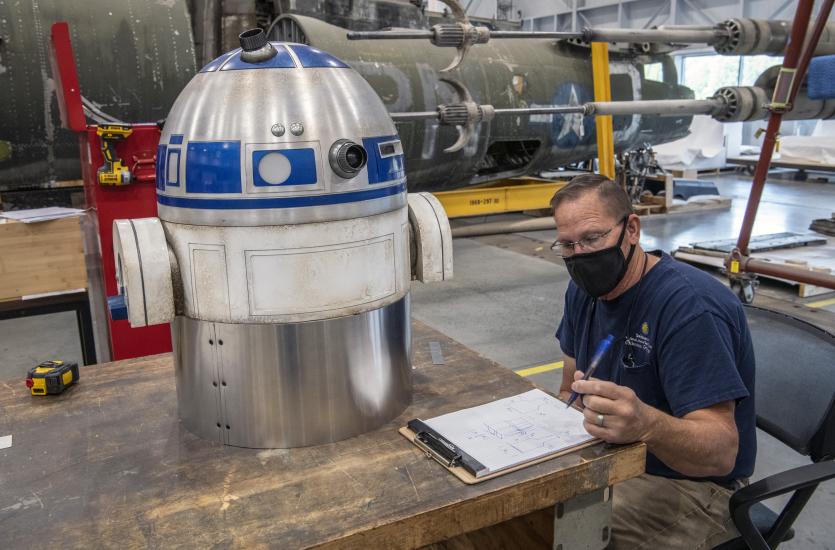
464, 475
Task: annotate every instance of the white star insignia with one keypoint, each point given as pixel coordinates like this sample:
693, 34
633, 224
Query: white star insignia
572, 122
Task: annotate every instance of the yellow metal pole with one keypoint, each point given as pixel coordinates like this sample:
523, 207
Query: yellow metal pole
603, 92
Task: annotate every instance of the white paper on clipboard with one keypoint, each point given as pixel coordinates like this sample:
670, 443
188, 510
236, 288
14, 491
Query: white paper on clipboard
512, 431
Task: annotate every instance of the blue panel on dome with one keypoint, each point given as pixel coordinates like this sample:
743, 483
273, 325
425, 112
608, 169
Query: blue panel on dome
213, 167
312, 58
302, 167
281, 60
161, 156
175, 139
383, 168
215, 64
281, 202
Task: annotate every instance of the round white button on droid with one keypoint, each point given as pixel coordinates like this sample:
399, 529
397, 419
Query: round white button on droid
274, 168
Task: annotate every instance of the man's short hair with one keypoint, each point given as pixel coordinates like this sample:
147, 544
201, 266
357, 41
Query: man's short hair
611, 195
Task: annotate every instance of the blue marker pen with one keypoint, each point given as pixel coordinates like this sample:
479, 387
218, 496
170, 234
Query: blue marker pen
602, 348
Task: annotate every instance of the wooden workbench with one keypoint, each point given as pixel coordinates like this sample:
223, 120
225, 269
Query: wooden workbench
107, 464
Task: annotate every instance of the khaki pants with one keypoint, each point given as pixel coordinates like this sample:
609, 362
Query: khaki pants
660, 513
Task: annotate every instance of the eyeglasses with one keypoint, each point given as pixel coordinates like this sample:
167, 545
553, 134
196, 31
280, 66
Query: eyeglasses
588, 243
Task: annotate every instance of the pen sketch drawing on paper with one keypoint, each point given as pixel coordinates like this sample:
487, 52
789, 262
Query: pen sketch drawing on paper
512, 431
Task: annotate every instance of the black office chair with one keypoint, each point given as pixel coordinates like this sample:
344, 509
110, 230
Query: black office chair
795, 402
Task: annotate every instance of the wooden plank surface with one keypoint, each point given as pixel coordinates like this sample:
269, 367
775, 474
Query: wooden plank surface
41, 257
108, 465
796, 165
815, 258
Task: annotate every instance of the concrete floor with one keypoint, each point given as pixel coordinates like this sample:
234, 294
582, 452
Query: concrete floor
506, 304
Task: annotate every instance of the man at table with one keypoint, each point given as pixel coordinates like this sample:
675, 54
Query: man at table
679, 376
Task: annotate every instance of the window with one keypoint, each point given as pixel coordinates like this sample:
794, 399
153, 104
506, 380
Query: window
654, 71
704, 74
752, 67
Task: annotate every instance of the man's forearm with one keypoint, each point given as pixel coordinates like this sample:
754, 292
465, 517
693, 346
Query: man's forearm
693, 447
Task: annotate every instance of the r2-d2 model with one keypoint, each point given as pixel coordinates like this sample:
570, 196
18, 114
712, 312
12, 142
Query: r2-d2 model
284, 250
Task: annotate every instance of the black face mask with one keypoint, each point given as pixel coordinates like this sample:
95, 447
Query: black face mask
599, 272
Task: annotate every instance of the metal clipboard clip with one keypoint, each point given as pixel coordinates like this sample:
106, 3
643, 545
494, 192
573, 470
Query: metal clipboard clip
442, 451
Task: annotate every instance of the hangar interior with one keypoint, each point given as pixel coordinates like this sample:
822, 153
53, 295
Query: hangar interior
249, 248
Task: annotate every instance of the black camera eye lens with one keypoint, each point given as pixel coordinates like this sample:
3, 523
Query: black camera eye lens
354, 157
347, 158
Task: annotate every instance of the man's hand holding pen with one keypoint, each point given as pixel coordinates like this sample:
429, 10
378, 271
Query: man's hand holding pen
613, 413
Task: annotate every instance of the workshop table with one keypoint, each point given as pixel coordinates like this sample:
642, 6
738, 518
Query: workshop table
107, 464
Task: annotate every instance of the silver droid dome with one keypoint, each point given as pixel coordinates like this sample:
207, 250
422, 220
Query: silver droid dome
294, 136
282, 250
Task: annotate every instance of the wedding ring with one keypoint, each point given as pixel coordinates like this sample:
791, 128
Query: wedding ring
599, 420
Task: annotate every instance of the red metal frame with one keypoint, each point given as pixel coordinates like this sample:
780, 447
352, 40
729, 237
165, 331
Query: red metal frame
108, 203
66, 79
137, 200
796, 57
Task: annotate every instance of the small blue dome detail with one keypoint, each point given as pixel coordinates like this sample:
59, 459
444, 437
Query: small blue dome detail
309, 57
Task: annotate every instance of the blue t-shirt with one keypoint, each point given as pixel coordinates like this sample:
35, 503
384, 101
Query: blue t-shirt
686, 347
